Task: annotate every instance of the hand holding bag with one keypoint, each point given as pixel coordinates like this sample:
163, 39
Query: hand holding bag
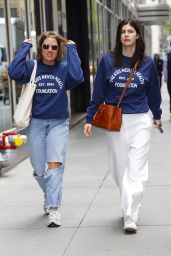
22, 114
109, 117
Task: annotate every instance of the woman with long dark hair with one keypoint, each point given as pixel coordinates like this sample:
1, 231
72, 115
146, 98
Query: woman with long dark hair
129, 148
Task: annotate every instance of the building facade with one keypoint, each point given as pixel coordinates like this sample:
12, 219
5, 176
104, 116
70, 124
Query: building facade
90, 23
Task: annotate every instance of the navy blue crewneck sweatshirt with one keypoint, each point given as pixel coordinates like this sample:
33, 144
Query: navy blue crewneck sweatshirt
52, 81
142, 94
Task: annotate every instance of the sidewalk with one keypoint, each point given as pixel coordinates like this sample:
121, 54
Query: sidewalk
91, 213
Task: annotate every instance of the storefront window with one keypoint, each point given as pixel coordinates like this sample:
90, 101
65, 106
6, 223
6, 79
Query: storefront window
95, 37
31, 27
5, 108
17, 31
108, 31
22, 25
61, 18
101, 38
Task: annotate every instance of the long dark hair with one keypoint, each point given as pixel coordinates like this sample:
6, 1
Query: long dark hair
139, 53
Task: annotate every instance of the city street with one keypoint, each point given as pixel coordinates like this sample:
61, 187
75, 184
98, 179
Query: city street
92, 223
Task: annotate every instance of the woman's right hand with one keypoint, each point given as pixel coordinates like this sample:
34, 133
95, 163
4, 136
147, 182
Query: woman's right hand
69, 42
87, 130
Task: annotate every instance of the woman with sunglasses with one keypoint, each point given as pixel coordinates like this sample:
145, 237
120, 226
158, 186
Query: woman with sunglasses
49, 125
129, 148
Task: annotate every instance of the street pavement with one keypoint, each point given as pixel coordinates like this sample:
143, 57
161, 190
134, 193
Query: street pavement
92, 223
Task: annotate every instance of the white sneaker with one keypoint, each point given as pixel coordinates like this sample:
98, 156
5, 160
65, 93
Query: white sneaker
54, 218
46, 208
130, 227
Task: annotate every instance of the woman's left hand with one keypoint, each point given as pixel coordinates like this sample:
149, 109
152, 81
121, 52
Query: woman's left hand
157, 122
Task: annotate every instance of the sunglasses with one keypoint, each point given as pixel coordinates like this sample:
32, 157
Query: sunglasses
53, 47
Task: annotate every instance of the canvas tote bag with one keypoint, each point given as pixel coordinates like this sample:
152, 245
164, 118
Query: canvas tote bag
22, 114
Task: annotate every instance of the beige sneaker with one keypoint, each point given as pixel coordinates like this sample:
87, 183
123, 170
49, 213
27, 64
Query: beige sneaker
130, 227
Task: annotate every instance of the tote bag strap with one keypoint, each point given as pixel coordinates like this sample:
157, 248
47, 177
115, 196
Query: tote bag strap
32, 78
128, 82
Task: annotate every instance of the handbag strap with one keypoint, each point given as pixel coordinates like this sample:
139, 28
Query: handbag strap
133, 70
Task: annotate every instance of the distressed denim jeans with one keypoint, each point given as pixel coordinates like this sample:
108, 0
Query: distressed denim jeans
47, 142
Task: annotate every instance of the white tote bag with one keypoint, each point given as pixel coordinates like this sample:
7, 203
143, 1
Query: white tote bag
22, 114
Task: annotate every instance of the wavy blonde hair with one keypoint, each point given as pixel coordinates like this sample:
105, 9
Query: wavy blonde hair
61, 41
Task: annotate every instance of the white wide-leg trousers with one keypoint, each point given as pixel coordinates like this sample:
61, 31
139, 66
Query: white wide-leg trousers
128, 152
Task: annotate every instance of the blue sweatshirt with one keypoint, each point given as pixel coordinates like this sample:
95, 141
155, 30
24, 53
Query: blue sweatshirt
142, 94
52, 81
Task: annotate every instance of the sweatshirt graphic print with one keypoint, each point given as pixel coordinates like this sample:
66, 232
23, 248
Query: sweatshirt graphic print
50, 86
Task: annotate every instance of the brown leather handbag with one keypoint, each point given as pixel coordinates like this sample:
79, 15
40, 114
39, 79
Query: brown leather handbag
109, 117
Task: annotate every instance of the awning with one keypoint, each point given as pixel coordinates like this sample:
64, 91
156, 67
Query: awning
157, 14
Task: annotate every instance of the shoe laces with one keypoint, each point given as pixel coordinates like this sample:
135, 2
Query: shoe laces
54, 213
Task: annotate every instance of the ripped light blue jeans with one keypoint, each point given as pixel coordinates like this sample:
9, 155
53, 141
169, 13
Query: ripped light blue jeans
47, 142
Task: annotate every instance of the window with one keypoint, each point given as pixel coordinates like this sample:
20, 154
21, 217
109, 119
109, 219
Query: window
1, 12
109, 4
